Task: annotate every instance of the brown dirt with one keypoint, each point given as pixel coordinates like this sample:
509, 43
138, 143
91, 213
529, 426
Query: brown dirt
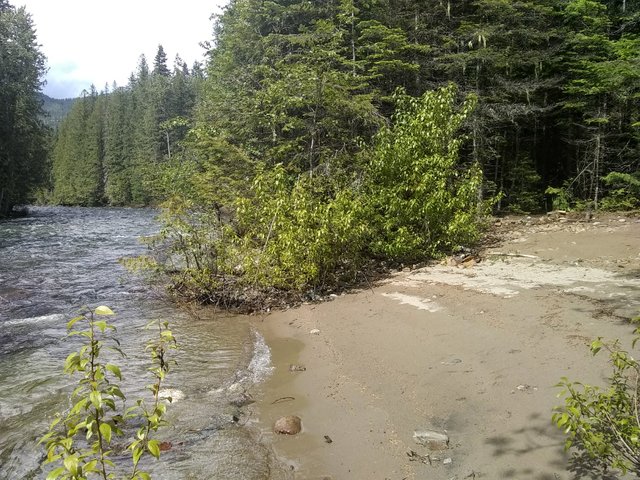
474, 351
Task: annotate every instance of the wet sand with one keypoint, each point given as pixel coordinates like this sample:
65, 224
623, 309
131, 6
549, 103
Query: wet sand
475, 352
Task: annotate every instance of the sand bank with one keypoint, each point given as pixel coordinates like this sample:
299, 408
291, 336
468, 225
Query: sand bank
473, 352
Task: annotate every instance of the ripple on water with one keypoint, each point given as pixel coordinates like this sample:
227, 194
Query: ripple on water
59, 259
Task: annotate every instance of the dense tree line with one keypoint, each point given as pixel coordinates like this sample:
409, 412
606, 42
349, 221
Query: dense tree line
557, 82
112, 142
307, 84
55, 110
23, 136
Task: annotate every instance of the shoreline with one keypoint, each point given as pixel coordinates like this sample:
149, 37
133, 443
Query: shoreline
475, 352
327, 400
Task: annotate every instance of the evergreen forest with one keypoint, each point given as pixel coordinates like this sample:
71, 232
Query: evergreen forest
323, 135
55, 110
306, 84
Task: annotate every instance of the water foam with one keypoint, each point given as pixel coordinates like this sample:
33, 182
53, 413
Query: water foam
260, 366
41, 320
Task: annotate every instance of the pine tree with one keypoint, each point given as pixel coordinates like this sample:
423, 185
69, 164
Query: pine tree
79, 153
283, 83
23, 136
117, 148
160, 63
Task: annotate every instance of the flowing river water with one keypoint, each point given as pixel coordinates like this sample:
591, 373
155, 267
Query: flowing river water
58, 259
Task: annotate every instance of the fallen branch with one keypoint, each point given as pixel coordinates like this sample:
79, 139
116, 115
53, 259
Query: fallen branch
282, 399
501, 254
416, 457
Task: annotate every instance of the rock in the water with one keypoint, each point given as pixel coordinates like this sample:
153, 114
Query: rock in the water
432, 439
297, 368
241, 399
289, 425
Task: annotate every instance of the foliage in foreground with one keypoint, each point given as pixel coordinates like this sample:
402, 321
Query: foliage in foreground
410, 200
81, 441
603, 424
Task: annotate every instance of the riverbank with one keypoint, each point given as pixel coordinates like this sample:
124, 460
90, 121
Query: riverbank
472, 350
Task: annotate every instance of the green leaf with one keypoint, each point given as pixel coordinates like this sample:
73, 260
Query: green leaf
71, 464
95, 398
91, 466
115, 370
116, 392
105, 430
137, 453
103, 310
54, 474
73, 321
154, 448
101, 324
564, 418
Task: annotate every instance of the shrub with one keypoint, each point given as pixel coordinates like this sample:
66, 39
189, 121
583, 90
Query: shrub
81, 440
602, 424
299, 234
623, 191
424, 201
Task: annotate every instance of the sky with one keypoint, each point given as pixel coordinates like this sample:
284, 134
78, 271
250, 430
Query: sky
96, 42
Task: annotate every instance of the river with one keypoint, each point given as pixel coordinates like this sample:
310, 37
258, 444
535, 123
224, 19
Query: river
58, 259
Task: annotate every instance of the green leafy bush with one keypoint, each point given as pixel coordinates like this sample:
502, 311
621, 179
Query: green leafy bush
602, 423
561, 198
424, 201
299, 234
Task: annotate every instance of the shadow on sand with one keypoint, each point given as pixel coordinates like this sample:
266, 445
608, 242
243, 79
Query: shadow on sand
541, 434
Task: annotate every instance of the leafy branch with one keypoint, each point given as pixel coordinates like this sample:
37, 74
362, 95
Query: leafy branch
81, 440
603, 424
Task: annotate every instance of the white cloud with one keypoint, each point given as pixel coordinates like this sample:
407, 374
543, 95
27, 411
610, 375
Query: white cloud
91, 42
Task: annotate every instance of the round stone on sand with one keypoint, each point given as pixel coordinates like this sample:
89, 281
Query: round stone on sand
289, 425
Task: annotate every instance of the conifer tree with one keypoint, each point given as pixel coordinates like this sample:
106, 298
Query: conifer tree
23, 136
78, 156
160, 63
603, 58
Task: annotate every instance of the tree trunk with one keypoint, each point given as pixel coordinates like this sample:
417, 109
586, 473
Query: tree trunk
353, 43
596, 169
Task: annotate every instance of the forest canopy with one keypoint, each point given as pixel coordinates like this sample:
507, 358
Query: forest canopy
309, 84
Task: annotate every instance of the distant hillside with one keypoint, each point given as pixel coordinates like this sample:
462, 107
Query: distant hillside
56, 109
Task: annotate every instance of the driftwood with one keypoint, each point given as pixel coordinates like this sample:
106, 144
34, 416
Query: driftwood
416, 457
283, 399
501, 254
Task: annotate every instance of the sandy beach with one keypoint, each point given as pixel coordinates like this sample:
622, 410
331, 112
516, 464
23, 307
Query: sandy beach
473, 351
